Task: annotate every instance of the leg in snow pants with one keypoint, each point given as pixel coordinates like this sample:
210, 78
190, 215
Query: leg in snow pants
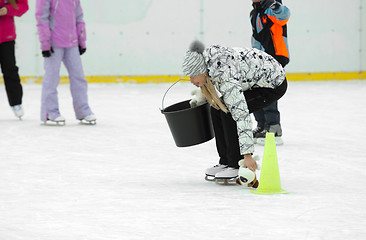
225, 128
78, 84
9, 69
267, 116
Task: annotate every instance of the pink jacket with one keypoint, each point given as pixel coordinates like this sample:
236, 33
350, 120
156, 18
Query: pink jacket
60, 23
7, 26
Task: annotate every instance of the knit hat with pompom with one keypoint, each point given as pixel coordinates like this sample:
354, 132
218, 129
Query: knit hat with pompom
194, 63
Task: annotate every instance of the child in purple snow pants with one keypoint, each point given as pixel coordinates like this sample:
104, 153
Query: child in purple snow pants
61, 31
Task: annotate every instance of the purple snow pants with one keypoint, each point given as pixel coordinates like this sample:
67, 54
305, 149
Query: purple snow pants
78, 84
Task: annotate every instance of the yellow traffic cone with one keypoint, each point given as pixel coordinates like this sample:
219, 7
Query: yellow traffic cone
269, 182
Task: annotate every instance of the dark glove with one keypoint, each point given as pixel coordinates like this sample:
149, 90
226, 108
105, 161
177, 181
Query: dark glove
47, 53
269, 4
82, 50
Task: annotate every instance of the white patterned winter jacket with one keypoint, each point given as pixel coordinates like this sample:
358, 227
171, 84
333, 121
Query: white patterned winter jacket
235, 70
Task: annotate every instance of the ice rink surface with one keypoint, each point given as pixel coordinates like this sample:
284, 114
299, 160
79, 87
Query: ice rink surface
124, 178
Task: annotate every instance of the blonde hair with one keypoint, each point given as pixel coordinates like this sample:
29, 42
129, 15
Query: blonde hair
211, 95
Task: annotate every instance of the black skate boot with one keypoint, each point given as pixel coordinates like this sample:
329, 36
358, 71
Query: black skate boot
257, 131
276, 129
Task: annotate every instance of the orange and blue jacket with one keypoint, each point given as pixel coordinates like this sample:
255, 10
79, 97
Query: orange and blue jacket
270, 31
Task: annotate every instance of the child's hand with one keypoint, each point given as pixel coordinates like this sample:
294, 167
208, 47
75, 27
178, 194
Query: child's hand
3, 11
47, 53
249, 162
82, 50
13, 4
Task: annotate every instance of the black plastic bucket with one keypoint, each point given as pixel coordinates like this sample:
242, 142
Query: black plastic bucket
189, 126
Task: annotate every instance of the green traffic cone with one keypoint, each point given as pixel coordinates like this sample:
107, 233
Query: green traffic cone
269, 182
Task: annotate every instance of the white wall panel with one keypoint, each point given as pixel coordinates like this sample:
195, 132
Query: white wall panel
149, 37
363, 36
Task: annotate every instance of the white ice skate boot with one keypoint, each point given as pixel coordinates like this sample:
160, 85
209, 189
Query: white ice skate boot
211, 172
18, 111
227, 176
89, 120
59, 121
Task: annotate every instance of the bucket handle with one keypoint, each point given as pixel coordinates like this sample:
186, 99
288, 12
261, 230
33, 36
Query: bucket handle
162, 101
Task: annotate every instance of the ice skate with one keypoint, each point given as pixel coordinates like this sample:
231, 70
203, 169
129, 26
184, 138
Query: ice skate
257, 131
89, 120
227, 176
18, 111
211, 172
59, 121
260, 138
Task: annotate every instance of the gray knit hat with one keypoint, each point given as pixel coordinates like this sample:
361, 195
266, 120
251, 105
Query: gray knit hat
194, 63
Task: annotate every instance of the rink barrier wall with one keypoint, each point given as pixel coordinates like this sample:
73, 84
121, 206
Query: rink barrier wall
173, 78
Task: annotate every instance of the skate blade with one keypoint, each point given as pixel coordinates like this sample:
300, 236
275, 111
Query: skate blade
226, 181
53, 123
84, 122
210, 178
